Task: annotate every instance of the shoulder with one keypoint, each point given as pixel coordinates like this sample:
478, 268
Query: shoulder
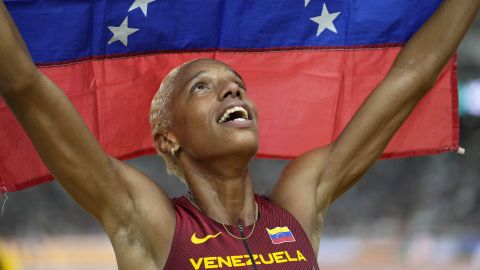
306, 167
297, 190
145, 219
300, 178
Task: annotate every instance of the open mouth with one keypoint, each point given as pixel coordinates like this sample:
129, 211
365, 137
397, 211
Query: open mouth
236, 114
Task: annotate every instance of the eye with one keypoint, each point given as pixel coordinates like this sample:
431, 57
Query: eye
199, 86
241, 85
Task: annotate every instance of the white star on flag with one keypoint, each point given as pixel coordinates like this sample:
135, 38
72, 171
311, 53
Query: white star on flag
306, 2
142, 4
121, 32
325, 21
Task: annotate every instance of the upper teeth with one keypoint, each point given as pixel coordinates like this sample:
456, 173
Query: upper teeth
227, 113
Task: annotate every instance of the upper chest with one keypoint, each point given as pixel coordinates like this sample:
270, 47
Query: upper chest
275, 241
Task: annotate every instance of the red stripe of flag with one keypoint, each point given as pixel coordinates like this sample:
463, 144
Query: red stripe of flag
281, 240
304, 98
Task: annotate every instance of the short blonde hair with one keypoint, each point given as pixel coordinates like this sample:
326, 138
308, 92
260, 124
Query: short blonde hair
161, 116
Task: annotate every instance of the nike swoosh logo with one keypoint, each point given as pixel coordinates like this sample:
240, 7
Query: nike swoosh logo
198, 241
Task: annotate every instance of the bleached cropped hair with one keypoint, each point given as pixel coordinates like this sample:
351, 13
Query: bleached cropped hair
161, 116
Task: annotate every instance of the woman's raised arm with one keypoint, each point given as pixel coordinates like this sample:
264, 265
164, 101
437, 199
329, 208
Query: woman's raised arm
104, 186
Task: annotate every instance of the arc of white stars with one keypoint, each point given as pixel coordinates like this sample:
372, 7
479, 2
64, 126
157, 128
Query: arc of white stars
121, 33
142, 4
325, 21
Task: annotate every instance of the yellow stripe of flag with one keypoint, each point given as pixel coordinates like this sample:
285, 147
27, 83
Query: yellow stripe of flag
278, 230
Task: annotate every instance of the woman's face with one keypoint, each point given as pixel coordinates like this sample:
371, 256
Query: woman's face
212, 115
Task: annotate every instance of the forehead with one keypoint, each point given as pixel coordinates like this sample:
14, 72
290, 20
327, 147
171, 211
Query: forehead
205, 66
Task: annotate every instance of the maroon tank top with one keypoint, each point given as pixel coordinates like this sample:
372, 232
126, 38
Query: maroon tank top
277, 241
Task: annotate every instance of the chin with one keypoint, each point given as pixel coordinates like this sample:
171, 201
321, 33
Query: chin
245, 145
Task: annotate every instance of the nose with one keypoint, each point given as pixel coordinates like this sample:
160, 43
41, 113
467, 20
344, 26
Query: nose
231, 90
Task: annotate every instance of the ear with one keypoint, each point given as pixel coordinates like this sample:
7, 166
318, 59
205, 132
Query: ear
165, 140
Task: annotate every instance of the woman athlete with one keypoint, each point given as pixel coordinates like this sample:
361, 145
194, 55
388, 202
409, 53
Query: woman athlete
205, 126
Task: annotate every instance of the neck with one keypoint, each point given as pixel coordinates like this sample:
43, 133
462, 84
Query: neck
226, 196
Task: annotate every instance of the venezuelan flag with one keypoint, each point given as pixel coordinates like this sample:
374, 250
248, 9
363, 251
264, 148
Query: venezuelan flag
280, 235
308, 66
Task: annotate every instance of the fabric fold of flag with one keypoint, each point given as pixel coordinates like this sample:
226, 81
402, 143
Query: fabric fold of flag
307, 67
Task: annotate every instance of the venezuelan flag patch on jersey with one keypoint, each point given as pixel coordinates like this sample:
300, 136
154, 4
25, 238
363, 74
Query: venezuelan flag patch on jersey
280, 235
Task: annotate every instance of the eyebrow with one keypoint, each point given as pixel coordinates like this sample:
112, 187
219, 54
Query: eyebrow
198, 74
195, 76
238, 75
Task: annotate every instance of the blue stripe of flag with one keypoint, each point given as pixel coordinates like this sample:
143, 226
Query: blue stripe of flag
57, 31
280, 235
